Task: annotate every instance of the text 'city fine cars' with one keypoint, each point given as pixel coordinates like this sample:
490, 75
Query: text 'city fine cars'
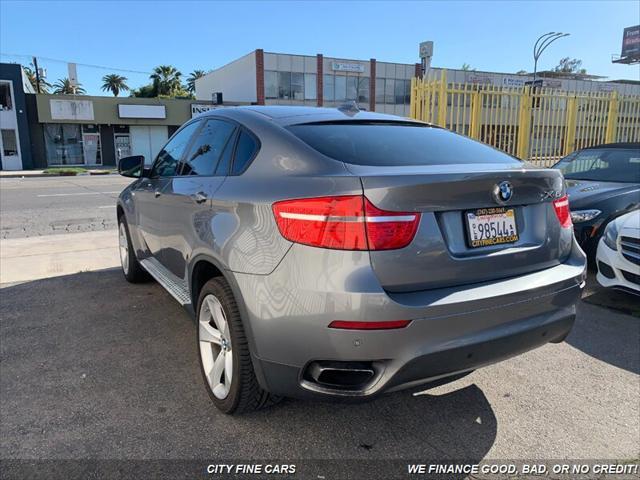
335, 253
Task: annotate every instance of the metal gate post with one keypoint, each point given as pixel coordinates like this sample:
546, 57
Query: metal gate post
442, 100
571, 123
476, 117
524, 123
612, 118
414, 97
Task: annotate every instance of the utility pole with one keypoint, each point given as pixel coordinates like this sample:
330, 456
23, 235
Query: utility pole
35, 65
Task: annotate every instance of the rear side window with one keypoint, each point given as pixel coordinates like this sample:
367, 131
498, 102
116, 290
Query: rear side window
166, 164
245, 151
399, 144
207, 148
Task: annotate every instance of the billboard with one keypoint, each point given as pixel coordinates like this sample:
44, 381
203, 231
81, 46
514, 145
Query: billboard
631, 42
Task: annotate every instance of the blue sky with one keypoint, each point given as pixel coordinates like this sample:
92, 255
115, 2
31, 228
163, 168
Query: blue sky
493, 36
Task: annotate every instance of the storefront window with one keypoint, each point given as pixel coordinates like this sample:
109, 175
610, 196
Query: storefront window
310, 86
352, 88
399, 91
379, 90
271, 85
68, 144
363, 89
341, 88
297, 86
389, 90
284, 85
328, 88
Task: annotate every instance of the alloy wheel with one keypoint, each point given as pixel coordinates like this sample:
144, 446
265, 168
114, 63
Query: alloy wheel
123, 247
215, 346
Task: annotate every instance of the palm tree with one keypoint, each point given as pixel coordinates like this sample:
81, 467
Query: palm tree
30, 72
191, 81
115, 84
63, 87
166, 80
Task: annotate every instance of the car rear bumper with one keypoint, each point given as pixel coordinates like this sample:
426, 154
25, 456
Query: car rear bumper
452, 330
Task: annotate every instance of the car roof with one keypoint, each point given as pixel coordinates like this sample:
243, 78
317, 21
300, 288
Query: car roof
292, 115
634, 145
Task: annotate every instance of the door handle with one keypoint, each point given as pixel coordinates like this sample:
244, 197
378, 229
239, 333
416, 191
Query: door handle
199, 197
157, 193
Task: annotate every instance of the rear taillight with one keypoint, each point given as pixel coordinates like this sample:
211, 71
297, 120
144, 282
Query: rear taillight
561, 206
344, 223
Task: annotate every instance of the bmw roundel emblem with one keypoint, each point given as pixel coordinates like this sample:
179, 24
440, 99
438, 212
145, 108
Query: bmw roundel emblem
502, 192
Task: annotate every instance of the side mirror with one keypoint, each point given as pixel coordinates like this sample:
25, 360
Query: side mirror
131, 166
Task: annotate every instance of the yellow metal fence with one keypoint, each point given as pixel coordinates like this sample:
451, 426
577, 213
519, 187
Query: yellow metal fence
540, 125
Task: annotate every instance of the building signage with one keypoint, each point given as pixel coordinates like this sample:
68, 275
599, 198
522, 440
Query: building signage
71, 109
513, 82
198, 108
631, 41
157, 112
552, 83
347, 67
479, 79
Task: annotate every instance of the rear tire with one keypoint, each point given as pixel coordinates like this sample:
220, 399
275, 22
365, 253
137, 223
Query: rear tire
131, 268
225, 360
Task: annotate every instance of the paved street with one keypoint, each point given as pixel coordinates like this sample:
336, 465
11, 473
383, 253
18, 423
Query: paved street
44, 206
93, 367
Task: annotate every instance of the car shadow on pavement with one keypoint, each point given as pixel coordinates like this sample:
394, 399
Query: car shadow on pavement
95, 367
608, 335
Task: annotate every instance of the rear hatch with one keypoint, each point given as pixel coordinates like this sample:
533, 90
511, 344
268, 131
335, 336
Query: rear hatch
484, 215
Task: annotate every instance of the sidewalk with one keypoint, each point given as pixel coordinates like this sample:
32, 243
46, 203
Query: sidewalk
97, 170
26, 259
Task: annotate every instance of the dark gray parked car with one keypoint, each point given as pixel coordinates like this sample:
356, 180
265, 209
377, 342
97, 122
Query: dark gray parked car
339, 253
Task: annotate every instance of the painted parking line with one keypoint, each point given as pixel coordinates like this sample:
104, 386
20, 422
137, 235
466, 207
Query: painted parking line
106, 206
74, 194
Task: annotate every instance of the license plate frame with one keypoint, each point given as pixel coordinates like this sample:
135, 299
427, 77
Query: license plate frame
483, 216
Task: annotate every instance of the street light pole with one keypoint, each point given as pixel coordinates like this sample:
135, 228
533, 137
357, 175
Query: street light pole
541, 45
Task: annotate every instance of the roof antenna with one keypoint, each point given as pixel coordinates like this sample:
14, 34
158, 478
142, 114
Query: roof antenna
349, 108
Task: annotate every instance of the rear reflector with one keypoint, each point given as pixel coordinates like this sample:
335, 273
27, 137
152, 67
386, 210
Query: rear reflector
355, 325
561, 206
348, 222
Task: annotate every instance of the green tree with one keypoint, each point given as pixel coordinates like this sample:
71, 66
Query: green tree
521, 72
191, 81
115, 84
145, 91
30, 73
570, 65
467, 68
166, 80
63, 87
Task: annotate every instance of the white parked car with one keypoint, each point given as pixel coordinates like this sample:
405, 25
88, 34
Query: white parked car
618, 256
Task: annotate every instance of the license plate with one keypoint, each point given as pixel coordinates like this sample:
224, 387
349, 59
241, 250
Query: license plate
491, 226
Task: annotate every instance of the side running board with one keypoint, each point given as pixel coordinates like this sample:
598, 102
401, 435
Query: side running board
172, 284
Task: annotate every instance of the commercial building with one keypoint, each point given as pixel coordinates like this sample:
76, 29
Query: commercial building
15, 140
267, 78
86, 130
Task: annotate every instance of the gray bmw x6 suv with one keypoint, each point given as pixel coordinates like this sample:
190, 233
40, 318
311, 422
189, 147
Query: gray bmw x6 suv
340, 253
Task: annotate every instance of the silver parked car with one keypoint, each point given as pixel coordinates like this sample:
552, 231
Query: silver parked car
335, 253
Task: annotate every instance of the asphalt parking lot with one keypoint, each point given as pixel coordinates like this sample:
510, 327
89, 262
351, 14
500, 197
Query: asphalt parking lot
93, 367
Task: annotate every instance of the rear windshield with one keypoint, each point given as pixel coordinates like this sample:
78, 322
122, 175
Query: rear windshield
401, 144
603, 165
